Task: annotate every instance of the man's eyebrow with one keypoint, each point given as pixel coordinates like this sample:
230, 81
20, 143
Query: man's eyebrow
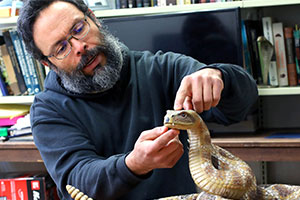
52, 47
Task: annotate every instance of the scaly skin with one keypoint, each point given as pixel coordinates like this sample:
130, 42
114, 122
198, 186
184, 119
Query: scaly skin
228, 177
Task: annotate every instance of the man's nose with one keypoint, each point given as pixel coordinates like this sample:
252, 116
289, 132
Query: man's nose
78, 46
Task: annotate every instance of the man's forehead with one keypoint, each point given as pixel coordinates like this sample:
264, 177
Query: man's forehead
53, 23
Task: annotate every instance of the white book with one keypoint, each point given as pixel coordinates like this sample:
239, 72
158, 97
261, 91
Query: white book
280, 54
268, 33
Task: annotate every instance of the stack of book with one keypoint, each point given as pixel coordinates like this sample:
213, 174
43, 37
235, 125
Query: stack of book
157, 3
24, 74
10, 8
271, 52
14, 121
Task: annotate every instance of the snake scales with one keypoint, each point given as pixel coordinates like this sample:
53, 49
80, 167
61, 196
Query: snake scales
219, 174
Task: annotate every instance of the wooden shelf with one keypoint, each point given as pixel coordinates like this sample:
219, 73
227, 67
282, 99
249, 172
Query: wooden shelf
255, 147
264, 3
279, 91
19, 152
16, 100
248, 147
166, 9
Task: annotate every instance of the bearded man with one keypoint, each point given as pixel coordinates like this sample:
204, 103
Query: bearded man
98, 123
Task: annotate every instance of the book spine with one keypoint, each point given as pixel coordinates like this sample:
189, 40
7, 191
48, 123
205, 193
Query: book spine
31, 67
14, 61
171, 2
22, 62
123, 4
268, 33
13, 83
131, 3
290, 56
246, 53
297, 52
146, 3
40, 69
280, 54
253, 30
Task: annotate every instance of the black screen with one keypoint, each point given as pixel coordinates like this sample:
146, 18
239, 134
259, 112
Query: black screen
208, 36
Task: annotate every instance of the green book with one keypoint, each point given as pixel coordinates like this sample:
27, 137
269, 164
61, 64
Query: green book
297, 52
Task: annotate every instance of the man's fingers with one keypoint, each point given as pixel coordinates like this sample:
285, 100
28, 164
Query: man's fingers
165, 138
207, 96
153, 134
188, 104
181, 95
217, 90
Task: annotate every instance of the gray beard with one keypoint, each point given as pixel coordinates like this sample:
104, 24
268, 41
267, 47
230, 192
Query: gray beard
105, 77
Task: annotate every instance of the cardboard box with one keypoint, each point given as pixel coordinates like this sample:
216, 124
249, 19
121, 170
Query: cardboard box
27, 188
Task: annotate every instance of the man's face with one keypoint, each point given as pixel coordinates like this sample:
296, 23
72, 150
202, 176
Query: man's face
94, 63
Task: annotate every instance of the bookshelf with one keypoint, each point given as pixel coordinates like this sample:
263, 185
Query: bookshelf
244, 4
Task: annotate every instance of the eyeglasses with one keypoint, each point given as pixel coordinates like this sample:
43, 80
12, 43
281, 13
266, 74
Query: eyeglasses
78, 32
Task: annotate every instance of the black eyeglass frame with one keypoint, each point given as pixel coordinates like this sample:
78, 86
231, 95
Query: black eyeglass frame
72, 36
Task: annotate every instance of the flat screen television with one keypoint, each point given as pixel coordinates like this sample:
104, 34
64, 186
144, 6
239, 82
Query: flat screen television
209, 36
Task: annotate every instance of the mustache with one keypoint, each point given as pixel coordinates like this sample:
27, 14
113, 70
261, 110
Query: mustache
89, 54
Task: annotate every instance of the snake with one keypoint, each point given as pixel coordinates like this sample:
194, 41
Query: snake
218, 174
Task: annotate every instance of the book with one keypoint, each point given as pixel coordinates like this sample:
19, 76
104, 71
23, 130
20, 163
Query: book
15, 63
265, 49
146, 3
8, 11
3, 86
41, 73
21, 58
280, 54
9, 8
296, 34
13, 83
131, 4
13, 110
290, 56
31, 66
28, 188
123, 4
253, 31
246, 54
171, 2
268, 33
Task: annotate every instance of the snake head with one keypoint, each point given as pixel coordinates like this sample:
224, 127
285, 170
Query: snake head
181, 119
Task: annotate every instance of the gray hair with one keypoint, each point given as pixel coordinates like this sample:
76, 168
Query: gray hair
28, 15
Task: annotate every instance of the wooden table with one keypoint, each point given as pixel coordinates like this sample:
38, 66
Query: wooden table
19, 151
256, 147
249, 147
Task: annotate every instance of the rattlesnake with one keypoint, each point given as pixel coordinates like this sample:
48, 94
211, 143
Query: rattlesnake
219, 174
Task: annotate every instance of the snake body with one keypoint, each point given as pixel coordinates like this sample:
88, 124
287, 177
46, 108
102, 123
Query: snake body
219, 174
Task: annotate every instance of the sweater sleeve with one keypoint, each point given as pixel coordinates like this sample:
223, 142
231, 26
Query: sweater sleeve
237, 98
71, 157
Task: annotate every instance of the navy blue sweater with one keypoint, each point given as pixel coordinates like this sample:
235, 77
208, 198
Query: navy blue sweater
84, 138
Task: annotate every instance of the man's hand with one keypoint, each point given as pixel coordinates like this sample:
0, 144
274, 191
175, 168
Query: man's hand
156, 148
200, 91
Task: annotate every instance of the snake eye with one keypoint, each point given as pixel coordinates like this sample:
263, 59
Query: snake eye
183, 115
